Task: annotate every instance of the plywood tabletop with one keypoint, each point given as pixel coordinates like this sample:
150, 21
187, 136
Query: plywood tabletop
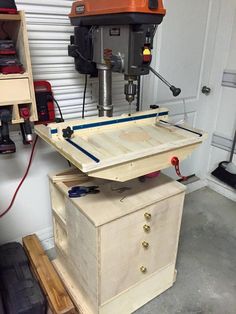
118, 199
109, 142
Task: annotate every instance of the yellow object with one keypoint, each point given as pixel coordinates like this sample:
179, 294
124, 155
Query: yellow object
146, 52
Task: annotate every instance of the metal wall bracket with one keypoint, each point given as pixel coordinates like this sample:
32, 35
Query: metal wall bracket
229, 78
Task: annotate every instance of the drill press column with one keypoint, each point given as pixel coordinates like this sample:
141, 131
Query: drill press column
105, 107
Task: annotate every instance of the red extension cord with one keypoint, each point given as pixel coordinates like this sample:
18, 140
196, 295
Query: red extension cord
22, 180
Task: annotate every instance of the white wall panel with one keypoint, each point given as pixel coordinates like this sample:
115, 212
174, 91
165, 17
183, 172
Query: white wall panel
49, 33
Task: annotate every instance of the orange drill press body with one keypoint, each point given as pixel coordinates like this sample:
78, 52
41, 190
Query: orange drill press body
103, 7
109, 12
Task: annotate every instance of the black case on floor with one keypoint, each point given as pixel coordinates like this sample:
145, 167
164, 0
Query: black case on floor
21, 293
12, 254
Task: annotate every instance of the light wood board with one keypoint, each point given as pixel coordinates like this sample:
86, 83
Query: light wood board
57, 297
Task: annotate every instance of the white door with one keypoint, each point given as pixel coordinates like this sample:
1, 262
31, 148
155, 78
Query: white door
184, 53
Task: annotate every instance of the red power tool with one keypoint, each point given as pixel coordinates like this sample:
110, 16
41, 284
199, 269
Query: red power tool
44, 102
8, 6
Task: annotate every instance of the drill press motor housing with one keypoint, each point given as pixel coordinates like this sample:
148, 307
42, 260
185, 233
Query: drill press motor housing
117, 37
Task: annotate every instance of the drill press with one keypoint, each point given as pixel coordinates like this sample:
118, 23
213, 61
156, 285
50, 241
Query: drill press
115, 36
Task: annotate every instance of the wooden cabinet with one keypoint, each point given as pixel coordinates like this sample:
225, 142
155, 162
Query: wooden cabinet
17, 89
116, 250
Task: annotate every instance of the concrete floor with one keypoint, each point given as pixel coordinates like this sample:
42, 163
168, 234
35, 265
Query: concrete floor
206, 281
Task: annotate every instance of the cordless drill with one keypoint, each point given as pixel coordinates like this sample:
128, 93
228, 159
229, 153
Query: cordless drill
7, 146
26, 129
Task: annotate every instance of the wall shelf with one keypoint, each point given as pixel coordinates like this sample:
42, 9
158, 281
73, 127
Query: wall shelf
17, 89
13, 76
10, 17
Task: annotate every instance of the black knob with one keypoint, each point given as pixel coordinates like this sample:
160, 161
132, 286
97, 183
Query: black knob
154, 107
67, 133
206, 90
175, 91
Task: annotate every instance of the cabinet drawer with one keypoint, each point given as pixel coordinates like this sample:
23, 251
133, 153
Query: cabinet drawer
15, 90
122, 250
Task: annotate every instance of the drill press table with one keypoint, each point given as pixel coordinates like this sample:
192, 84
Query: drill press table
125, 147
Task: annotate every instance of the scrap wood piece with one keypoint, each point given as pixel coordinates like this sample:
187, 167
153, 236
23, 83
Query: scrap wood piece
58, 299
73, 174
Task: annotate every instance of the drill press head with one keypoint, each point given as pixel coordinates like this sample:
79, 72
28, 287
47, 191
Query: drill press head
117, 35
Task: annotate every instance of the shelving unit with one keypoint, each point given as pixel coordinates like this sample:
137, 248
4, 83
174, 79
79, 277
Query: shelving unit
18, 89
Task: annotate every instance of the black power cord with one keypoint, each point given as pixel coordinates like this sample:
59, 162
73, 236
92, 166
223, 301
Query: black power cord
84, 97
59, 109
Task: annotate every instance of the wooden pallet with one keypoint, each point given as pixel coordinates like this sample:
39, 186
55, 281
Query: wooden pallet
122, 148
58, 299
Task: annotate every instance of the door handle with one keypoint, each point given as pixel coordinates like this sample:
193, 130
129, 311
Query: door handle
206, 90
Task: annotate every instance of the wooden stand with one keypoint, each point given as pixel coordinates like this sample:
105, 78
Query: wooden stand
116, 250
18, 89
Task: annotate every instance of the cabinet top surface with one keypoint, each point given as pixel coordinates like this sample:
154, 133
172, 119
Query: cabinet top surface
117, 199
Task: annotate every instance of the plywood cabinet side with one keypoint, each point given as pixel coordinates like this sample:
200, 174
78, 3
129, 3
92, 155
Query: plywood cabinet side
24, 51
81, 252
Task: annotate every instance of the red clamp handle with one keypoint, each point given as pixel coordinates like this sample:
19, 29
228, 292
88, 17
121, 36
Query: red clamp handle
175, 163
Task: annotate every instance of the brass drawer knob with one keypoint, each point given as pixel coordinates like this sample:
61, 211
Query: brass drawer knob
148, 216
145, 244
146, 228
143, 269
